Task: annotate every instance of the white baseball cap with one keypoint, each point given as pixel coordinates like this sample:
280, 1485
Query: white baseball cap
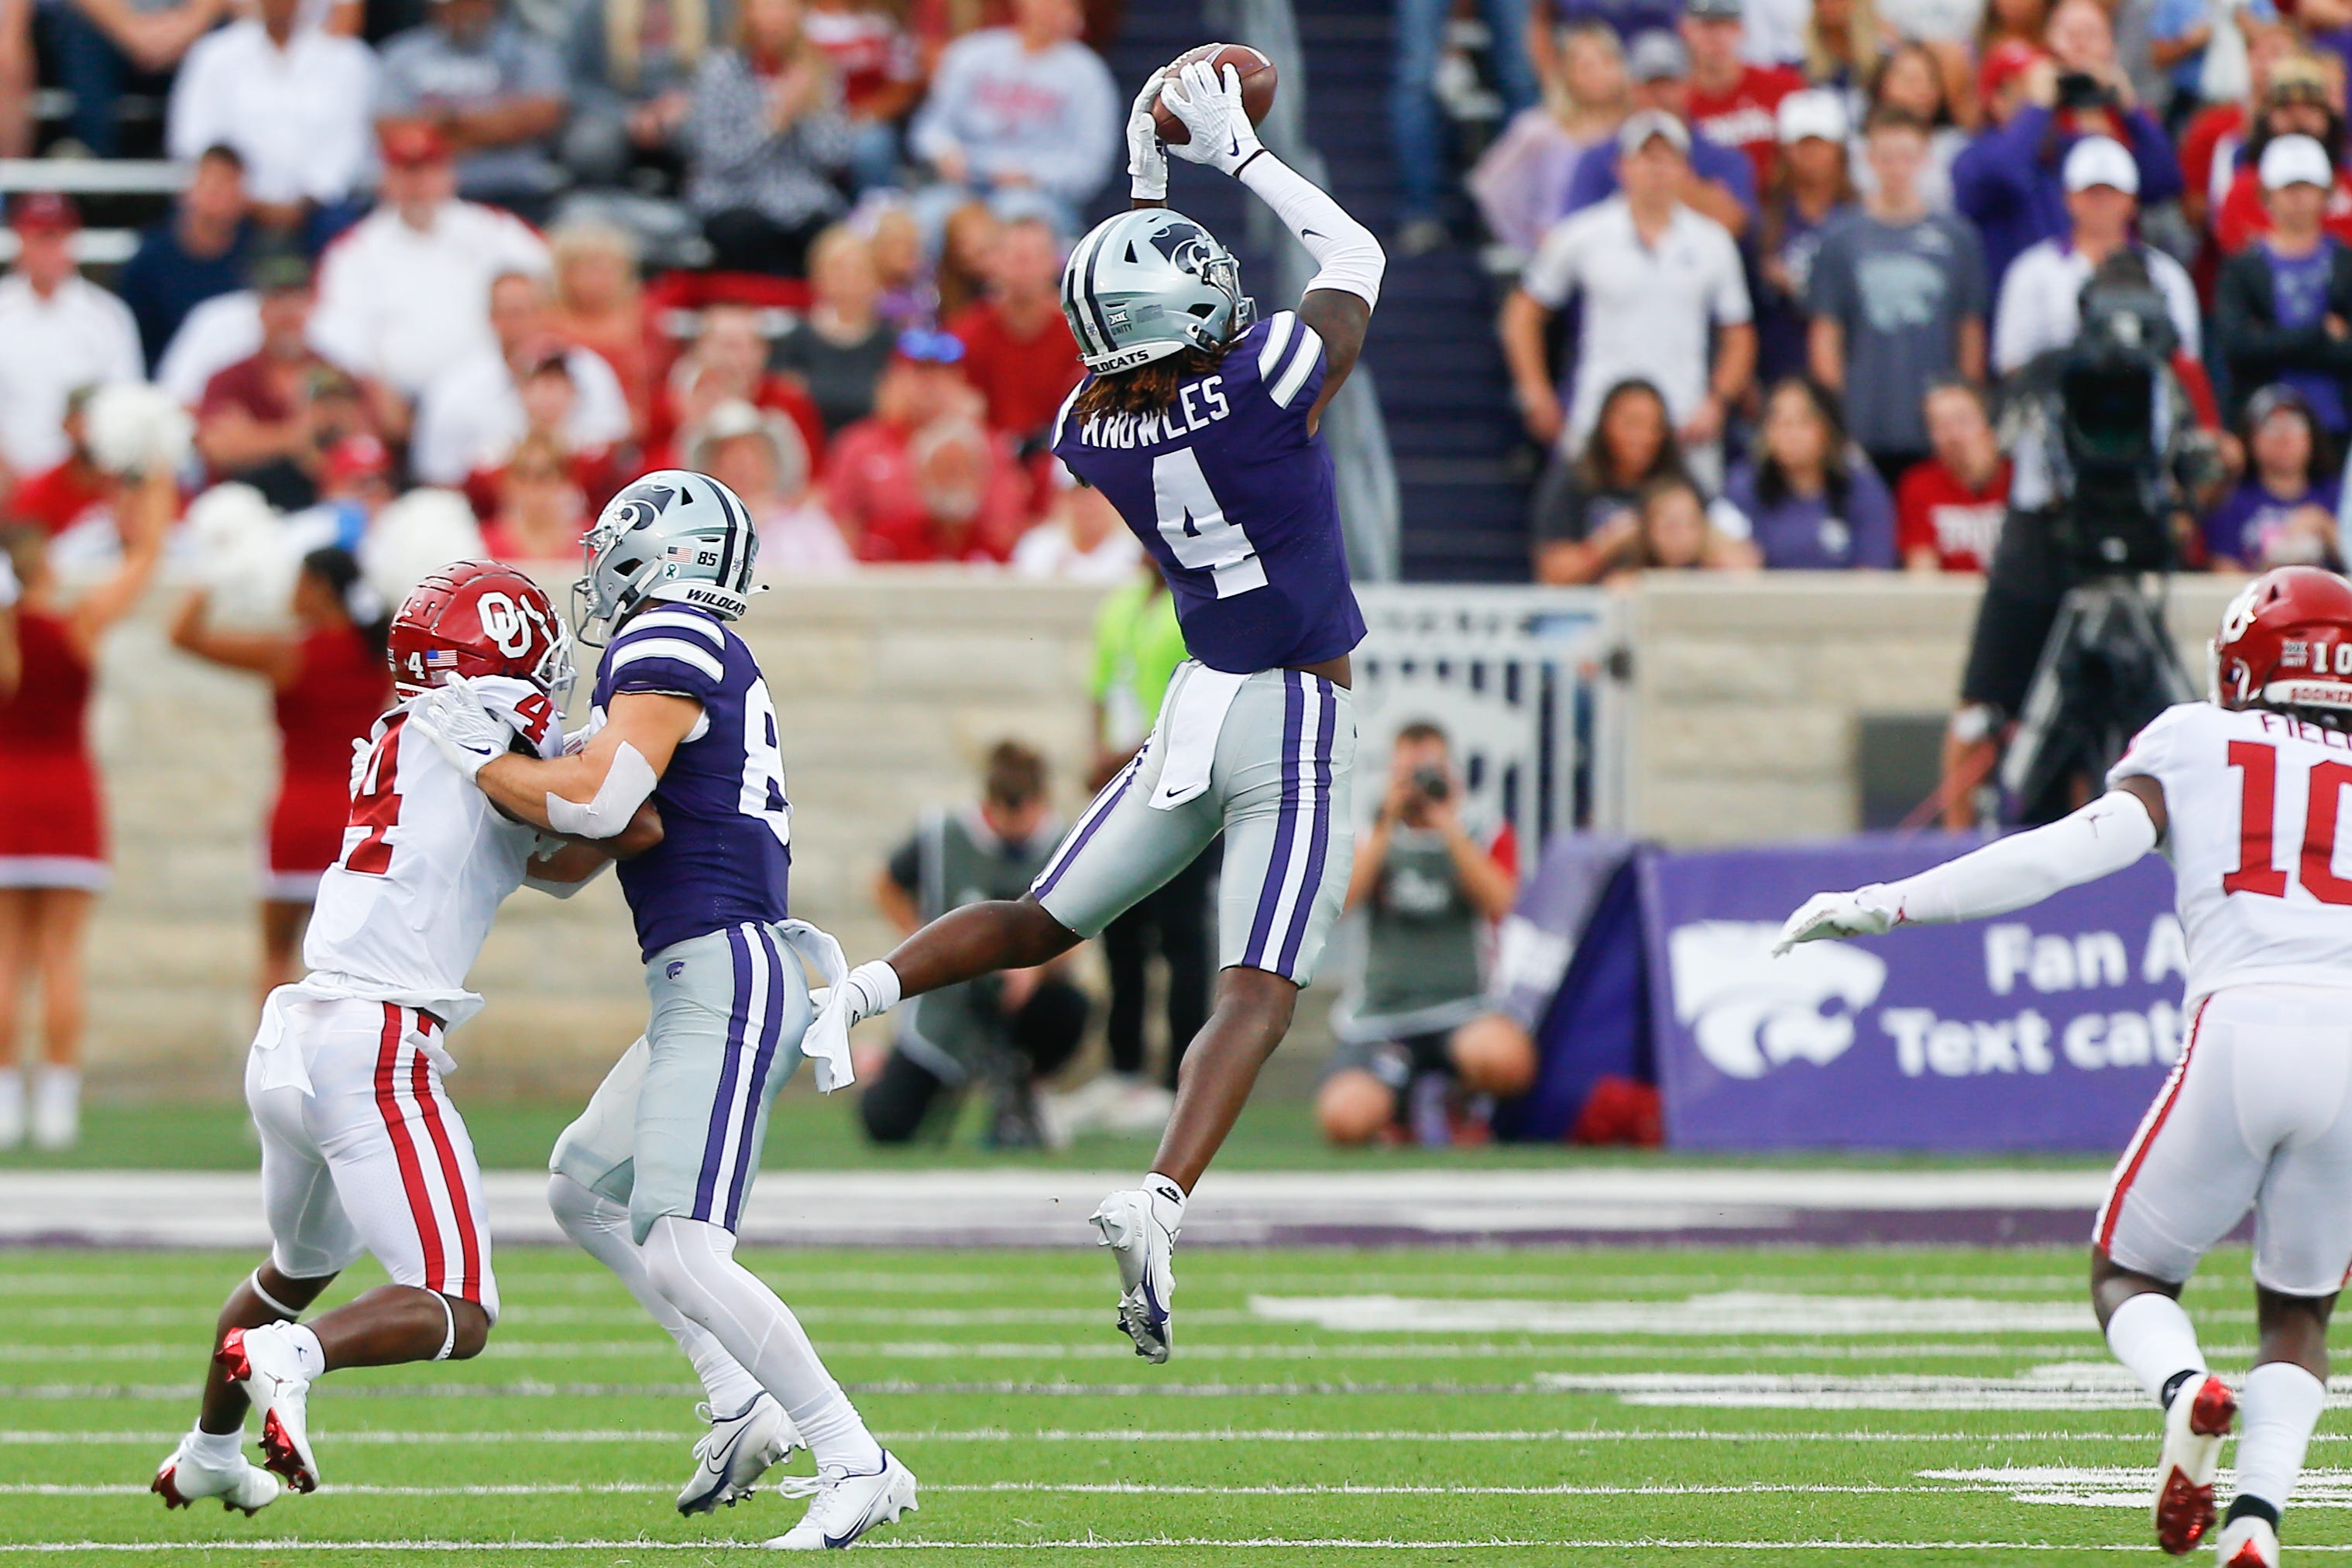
1812, 112
2101, 160
2296, 160
1645, 125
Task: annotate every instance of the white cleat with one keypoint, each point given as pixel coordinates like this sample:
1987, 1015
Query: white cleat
2194, 1425
1146, 1252
262, 1362
730, 1458
2248, 1542
186, 1479
844, 1507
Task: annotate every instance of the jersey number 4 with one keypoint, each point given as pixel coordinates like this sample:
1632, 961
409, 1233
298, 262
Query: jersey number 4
375, 806
1195, 524
2258, 871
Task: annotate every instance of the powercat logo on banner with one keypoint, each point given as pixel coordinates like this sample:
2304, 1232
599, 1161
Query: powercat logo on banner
1750, 1012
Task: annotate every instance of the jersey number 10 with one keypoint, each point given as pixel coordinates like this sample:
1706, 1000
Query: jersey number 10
2258, 871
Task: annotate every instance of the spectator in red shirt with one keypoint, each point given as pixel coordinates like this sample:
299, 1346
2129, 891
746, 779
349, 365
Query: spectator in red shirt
728, 363
1731, 101
881, 79
542, 512
1017, 349
549, 396
921, 480
1949, 509
2209, 147
73, 493
2300, 102
268, 419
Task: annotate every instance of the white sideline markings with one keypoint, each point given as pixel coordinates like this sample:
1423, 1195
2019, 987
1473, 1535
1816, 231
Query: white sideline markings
21, 1438
1064, 1349
1112, 1489
1723, 1312
2060, 1385
1195, 1544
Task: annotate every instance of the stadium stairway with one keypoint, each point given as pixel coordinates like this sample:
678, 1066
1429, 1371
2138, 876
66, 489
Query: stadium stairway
1444, 392
1442, 389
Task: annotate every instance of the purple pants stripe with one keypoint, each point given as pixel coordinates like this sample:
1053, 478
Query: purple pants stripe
1319, 842
1277, 871
1097, 814
771, 1027
714, 1147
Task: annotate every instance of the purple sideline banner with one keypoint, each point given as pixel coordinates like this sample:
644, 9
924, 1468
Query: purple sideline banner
2050, 1028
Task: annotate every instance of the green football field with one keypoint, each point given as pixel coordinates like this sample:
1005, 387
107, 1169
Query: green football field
1763, 1407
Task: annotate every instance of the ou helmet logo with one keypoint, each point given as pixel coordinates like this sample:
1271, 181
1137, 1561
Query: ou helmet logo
504, 624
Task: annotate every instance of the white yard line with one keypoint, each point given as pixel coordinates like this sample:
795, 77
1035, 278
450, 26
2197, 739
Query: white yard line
221, 1208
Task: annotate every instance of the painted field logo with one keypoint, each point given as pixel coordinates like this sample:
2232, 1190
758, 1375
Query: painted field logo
1750, 1012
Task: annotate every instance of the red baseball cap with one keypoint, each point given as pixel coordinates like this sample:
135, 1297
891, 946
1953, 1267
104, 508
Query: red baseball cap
410, 143
50, 211
361, 456
2003, 62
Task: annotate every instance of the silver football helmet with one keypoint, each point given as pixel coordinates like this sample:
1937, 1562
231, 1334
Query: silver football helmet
672, 535
1148, 284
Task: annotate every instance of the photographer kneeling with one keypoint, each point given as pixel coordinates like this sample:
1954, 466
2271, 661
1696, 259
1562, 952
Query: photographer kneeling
1429, 889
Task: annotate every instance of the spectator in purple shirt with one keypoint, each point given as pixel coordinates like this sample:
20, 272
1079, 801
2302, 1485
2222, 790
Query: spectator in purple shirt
1722, 181
2284, 512
2008, 182
1813, 502
2281, 307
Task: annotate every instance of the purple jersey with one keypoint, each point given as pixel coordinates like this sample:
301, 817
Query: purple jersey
1233, 497
726, 825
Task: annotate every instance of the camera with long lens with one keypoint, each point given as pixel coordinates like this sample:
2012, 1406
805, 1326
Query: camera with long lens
2124, 457
2070, 640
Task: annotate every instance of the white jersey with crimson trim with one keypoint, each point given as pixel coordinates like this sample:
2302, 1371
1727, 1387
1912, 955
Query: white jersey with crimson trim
2259, 840
426, 863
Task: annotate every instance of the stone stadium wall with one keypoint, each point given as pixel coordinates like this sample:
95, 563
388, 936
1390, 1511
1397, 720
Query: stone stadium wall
1746, 698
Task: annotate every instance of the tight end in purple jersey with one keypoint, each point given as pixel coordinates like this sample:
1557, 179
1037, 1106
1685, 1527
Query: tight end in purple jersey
725, 854
1233, 497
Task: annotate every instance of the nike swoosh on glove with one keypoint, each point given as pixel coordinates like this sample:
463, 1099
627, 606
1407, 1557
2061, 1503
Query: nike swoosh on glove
1147, 156
1865, 912
1222, 136
454, 719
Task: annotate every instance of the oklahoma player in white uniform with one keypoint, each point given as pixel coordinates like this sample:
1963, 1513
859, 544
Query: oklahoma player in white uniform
361, 1148
2244, 793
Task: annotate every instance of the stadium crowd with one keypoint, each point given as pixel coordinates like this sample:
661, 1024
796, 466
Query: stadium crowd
1818, 249
1773, 265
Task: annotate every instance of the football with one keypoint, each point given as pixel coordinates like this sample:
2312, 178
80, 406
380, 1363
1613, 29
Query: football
1257, 76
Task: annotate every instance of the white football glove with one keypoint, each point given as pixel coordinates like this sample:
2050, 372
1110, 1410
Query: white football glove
362, 747
454, 719
1865, 912
1222, 136
1147, 156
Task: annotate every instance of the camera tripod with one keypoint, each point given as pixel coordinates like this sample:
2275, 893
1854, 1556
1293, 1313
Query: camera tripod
2107, 669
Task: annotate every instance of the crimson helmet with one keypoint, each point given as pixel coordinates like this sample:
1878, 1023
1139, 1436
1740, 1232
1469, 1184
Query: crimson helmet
478, 618
2286, 642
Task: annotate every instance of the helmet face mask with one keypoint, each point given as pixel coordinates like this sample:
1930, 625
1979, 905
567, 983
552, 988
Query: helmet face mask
1148, 284
671, 536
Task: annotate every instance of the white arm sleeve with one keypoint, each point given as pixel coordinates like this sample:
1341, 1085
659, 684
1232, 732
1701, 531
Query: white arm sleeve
1345, 250
2100, 839
627, 784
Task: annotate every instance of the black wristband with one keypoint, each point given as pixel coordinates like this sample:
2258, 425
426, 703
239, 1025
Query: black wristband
1247, 161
